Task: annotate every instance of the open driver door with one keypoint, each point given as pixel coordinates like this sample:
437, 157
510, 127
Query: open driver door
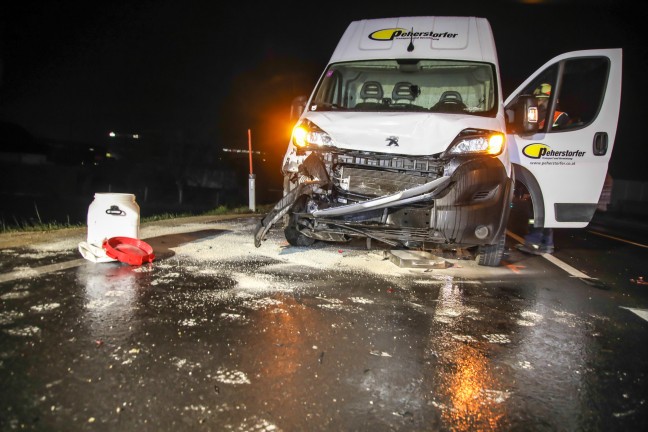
563, 159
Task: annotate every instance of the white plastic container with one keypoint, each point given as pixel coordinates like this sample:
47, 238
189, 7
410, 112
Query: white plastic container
112, 215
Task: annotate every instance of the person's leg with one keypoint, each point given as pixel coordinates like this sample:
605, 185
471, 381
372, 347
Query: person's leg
534, 237
547, 240
538, 241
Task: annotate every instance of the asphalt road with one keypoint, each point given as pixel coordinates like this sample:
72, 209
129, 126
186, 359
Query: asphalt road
216, 334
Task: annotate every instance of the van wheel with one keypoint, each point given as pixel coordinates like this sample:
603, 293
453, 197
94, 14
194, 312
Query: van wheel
491, 255
291, 231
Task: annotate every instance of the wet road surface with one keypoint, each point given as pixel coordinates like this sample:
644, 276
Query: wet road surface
218, 335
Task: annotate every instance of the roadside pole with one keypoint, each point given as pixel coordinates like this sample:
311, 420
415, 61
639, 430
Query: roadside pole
252, 176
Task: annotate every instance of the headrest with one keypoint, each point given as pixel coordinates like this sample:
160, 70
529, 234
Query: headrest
371, 89
403, 90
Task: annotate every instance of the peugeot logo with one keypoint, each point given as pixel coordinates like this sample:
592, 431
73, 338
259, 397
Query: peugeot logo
392, 141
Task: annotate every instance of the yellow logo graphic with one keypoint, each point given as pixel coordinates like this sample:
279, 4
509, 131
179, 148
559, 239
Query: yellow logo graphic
401, 33
536, 150
387, 34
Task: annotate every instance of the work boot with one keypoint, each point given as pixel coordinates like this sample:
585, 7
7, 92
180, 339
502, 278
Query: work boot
535, 249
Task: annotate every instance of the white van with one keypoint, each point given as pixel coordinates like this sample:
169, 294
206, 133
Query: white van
406, 139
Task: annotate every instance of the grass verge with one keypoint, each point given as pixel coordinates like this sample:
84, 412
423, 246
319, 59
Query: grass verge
38, 225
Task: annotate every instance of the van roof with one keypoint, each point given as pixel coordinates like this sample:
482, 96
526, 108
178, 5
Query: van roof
460, 38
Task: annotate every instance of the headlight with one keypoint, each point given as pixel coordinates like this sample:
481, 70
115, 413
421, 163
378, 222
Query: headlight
477, 142
307, 134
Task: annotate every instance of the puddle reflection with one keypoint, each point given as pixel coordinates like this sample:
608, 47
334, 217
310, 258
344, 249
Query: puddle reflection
110, 297
470, 388
283, 324
470, 395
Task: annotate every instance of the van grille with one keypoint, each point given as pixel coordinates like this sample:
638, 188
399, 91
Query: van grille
378, 174
424, 165
372, 182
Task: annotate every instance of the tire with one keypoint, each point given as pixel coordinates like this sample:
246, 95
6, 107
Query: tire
491, 255
291, 230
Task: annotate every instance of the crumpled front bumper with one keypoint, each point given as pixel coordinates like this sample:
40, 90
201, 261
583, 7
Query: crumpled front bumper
405, 197
468, 207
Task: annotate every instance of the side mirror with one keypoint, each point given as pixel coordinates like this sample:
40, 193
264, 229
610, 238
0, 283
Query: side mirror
297, 107
523, 116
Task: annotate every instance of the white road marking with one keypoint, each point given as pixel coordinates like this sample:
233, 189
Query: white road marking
552, 259
569, 269
641, 313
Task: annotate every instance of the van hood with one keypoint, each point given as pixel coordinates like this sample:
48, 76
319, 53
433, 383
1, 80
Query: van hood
408, 133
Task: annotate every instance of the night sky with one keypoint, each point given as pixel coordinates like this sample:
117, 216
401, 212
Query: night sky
205, 72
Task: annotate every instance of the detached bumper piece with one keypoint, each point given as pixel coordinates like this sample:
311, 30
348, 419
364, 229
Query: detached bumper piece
278, 211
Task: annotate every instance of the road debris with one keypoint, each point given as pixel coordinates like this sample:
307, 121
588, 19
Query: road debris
416, 259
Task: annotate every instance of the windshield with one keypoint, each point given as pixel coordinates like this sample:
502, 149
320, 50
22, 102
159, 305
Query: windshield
444, 86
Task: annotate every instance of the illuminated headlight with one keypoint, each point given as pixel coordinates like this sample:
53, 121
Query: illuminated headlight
488, 142
308, 134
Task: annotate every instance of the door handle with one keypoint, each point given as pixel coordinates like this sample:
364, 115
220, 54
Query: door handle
600, 143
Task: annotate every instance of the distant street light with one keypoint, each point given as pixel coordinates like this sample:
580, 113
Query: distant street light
112, 134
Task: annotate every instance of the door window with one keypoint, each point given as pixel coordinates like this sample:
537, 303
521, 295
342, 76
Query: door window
580, 85
582, 89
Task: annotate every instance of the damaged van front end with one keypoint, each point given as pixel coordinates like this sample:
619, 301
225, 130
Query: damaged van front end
403, 140
336, 190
